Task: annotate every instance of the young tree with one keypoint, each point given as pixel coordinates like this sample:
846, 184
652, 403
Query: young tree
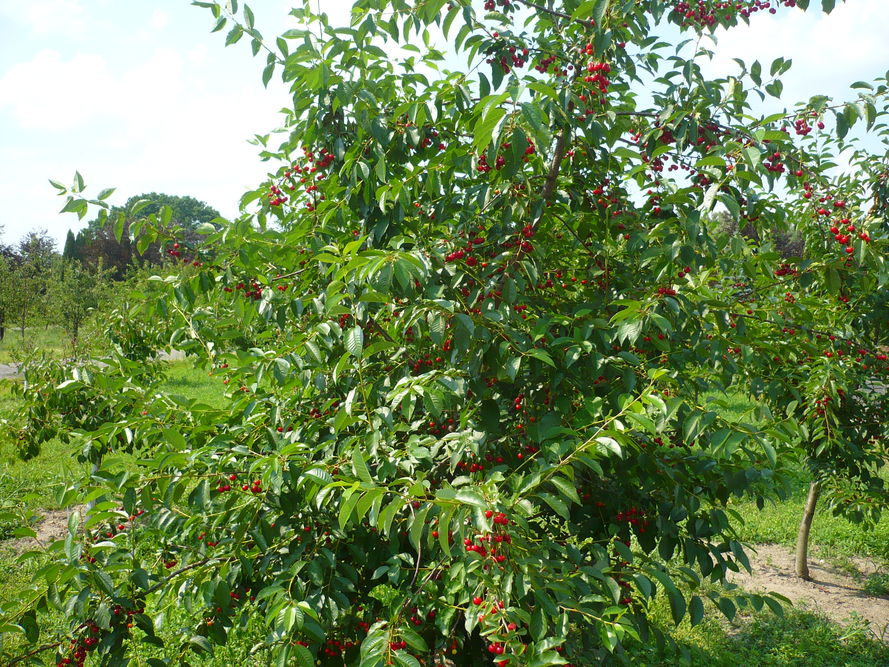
36, 251
8, 292
75, 292
480, 309
70, 250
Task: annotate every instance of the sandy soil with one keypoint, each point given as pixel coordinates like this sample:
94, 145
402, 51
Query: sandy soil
832, 591
54, 526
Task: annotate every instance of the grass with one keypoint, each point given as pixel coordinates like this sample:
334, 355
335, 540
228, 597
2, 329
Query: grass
835, 537
877, 584
29, 485
47, 339
799, 638
185, 380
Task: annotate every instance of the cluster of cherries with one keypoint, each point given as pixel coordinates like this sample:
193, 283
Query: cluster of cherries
488, 545
634, 517
307, 175
508, 58
444, 425
335, 647
112, 531
843, 235
627, 598
253, 290
710, 13
225, 486
491, 5
801, 125
597, 73
176, 252
786, 269
81, 646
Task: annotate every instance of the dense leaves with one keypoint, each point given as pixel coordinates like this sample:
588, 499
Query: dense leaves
470, 331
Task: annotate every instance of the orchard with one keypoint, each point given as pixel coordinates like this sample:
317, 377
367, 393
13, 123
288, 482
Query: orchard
466, 330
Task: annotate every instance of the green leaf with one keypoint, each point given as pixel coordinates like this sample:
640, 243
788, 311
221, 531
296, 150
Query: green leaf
234, 35
355, 341
727, 607
418, 525
359, 466
566, 488
696, 610
556, 504
470, 497
677, 601
303, 656
347, 506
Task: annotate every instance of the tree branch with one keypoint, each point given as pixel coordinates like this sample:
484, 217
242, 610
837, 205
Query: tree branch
39, 649
552, 176
547, 10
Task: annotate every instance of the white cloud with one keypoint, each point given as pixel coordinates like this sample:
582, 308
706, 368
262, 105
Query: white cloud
50, 93
159, 19
46, 16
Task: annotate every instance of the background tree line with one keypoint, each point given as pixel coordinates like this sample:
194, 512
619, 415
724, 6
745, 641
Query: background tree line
40, 286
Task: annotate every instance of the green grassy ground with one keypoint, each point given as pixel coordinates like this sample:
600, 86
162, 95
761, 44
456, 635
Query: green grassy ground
800, 638
29, 485
49, 340
190, 382
834, 537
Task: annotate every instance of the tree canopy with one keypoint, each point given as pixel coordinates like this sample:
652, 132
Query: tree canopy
97, 243
476, 331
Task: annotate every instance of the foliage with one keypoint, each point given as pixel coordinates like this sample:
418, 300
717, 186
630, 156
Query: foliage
99, 245
877, 584
74, 293
800, 637
464, 352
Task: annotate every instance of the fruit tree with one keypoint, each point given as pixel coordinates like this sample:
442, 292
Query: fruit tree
469, 329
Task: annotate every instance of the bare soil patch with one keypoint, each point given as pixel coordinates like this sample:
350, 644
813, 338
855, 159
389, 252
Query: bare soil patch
833, 591
53, 526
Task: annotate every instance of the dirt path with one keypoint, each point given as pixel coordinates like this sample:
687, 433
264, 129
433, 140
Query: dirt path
832, 591
53, 526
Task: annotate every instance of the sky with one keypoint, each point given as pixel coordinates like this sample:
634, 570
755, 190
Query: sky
140, 96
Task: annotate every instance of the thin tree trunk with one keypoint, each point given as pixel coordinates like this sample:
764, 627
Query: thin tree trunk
805, 526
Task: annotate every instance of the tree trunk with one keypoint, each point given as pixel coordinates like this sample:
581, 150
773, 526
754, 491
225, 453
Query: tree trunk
802, 538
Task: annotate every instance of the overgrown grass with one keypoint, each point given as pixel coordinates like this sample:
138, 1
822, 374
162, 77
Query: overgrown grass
50, 340
185, 380
30, 485
833, 536
799, 638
